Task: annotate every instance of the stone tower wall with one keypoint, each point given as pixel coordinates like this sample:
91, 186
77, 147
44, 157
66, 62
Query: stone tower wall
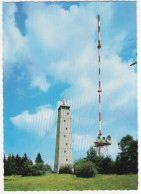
63, 151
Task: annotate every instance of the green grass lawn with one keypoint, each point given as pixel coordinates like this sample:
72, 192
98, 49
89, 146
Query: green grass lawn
57, 182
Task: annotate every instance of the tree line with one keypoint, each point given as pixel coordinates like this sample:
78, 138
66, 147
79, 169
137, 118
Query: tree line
16, 165
126, 162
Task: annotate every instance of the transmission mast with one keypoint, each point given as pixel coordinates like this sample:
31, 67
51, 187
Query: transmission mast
101, 142
99, 91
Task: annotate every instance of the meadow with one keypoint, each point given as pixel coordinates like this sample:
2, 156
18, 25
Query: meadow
66, 182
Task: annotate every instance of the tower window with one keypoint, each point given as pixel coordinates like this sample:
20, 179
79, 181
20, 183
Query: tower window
64, 151
64, 120
67, 113
64, 135
66, 143
66, 128
66, 159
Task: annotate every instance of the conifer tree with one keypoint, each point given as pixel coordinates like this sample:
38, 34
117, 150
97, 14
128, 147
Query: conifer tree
39, 159
5, 166
18, 164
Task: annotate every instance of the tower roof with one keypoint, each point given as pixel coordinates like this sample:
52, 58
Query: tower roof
63, 106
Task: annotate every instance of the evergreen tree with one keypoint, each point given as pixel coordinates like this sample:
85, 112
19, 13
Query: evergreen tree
99, 164
18, 164
5, 166
11, 165
39, 159
24, 166
91, 154
27, 165
24, 158
39, 167
107, 166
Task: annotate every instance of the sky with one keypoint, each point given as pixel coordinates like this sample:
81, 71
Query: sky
50, 53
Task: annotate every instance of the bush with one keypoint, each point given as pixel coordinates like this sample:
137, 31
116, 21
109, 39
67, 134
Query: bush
104, 165
27, 169
84, 168
38, 169
48, 168
67, 169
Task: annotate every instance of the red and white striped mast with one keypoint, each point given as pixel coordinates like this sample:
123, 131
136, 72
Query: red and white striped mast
101, 142
99, 90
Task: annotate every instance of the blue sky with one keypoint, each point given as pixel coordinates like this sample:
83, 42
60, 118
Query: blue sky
50, 53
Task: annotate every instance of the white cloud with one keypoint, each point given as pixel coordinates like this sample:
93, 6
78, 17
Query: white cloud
39, 123
59, 43
62, 44
113, 149
82, 142
14, 42
62, 61
40, 82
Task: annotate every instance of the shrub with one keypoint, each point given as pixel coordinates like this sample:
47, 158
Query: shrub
67, 169
48, 168
38, 169
84, 168
27, 168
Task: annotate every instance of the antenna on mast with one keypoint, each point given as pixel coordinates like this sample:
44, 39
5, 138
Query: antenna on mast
64, 101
